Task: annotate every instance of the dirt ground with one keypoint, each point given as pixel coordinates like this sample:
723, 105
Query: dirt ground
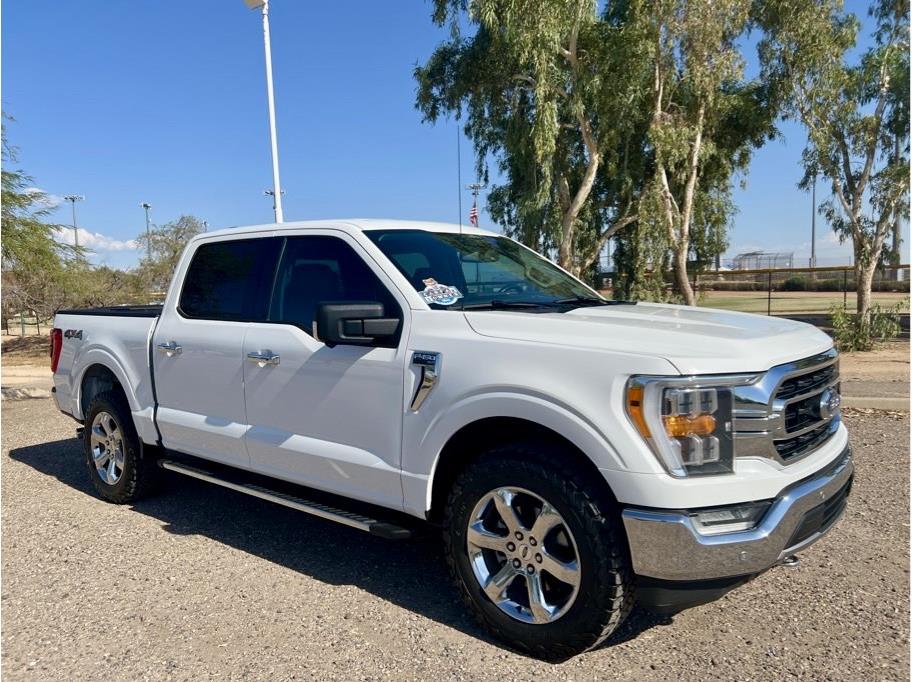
200, 582
25, 350
883, 372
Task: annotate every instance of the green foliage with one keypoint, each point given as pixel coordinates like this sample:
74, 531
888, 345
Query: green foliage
163, 248
795, 283
855, 332
562, 99
34, 264
856, 113
553, 94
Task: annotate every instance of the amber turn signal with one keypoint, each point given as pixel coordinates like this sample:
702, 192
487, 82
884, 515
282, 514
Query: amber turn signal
635, 409
679, 426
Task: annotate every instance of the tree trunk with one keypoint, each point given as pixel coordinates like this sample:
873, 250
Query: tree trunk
680, 273
863, 293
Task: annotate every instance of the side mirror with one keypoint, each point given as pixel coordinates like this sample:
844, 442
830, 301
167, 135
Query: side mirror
353, 324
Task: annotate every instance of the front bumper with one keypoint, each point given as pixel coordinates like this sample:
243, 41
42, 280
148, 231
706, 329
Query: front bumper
666, 545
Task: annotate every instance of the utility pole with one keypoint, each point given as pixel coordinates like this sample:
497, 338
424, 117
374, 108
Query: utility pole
459, 173
270, 96
146, 205
73, 198
814, 222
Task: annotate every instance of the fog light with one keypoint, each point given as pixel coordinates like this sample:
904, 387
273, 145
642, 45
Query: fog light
729, 519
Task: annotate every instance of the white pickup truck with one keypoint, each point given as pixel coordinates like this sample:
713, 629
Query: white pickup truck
580, 454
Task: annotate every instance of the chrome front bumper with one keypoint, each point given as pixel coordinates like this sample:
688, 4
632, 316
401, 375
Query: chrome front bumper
667, 545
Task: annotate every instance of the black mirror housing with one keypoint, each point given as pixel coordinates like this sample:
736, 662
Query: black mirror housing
354, 324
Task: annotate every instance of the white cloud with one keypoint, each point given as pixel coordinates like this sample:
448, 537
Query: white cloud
95, 240
50, 200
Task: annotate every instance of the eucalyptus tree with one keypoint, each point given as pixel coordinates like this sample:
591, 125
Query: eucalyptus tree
555, 94
856, 114
697, 82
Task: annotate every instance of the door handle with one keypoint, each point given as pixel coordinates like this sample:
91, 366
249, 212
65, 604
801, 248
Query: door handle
171, 348
263, 357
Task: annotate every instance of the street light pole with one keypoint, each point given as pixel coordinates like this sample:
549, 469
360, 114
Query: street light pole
271, 193
146, 205
73, 198
270, 96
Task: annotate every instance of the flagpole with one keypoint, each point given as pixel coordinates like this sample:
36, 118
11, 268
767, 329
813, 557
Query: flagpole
475, 188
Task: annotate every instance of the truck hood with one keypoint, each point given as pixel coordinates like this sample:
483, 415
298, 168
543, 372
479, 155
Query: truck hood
694, 340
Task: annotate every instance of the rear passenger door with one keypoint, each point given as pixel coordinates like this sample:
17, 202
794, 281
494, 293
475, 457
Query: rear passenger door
329, 418
198, 359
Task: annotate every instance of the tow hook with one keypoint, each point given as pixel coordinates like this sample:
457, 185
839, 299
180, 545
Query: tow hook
791, 561
80, 430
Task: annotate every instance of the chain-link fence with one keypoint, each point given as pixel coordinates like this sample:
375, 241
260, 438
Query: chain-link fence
788, 291
809, 290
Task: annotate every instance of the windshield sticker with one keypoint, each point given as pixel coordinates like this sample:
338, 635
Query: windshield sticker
441, 294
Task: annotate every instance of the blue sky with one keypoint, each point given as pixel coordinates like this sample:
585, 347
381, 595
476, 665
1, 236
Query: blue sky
126, 102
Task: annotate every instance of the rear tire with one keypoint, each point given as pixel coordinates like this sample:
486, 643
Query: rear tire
113, 452
538, 481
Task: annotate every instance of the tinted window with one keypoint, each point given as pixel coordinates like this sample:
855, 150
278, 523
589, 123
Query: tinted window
318, 270
484, 268
230, 280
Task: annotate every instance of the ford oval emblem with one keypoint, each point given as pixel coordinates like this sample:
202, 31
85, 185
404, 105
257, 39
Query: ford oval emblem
829, 403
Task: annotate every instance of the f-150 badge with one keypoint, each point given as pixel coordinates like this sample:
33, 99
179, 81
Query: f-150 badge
441, 294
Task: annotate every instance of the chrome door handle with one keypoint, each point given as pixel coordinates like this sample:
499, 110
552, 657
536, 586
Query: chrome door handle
171, 348
263, 358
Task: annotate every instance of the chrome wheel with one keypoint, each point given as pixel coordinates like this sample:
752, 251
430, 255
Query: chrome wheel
106, 441
523, 555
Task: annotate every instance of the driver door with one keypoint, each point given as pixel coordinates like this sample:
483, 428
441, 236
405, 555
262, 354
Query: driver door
330, 418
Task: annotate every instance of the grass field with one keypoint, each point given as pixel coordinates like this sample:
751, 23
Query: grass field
784, 302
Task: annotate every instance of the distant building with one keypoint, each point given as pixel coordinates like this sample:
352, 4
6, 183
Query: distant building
762, 260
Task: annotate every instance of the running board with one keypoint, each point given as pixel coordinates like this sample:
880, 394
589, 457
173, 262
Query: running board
381, 529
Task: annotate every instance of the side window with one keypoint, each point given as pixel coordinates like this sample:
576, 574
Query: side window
321, 269
230, 280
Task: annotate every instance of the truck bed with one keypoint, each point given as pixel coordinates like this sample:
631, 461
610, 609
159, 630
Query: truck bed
149, 310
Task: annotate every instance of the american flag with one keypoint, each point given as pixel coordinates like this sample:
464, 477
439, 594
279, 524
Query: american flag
473, 216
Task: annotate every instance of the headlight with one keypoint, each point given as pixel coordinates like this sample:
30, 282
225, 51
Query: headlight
687, 422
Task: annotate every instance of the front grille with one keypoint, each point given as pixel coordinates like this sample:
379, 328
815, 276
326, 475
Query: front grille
789, 448
816, 379
788, 411
821, 517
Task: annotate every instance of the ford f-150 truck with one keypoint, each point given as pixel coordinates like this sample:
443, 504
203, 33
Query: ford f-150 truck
580, 454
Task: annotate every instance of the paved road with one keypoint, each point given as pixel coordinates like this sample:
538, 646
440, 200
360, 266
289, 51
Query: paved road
203, 583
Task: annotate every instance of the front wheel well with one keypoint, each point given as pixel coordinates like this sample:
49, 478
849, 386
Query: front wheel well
473, 440
96, 380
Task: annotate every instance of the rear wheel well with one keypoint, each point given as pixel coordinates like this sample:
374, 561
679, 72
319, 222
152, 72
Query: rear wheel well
96, 380
473, 440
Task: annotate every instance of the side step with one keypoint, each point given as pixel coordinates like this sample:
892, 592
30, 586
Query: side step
383, 529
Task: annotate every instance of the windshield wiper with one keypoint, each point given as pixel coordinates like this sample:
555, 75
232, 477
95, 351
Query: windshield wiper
497, 304
581, 301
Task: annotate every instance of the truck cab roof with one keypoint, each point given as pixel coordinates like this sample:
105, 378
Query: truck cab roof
351, 224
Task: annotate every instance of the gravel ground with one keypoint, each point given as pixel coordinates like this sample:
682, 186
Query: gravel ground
202, 582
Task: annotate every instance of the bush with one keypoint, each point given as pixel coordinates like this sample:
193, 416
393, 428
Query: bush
852, 332
795, 284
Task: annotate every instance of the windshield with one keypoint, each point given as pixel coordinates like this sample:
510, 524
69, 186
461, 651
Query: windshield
464, 271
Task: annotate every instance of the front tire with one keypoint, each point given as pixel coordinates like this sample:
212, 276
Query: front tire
113, 451
537, 551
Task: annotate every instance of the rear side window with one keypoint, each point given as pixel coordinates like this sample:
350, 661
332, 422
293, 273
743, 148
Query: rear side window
230, 280
322, 269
